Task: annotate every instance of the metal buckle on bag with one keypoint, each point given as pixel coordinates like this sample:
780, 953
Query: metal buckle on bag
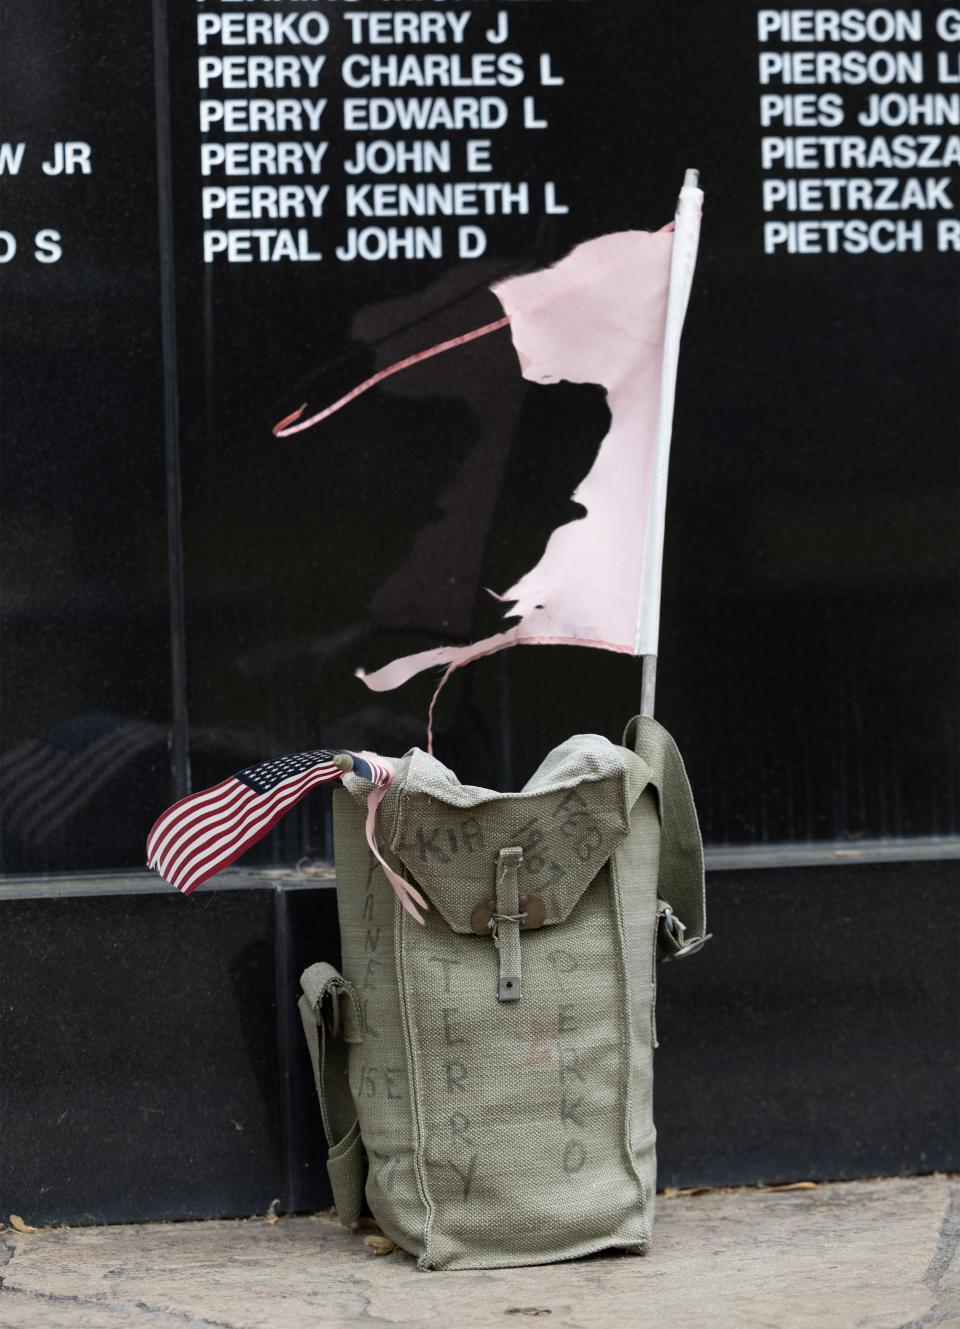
693, 945
678, 931
484, 919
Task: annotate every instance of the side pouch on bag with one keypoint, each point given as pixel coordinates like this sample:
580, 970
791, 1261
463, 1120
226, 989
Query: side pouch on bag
331, 1020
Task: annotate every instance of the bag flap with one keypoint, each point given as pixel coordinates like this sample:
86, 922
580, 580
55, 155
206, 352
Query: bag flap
568, 819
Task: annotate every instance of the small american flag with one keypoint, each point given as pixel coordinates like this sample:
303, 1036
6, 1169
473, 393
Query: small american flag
206, 832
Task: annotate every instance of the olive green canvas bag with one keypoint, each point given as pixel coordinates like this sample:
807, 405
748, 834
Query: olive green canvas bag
486, 1079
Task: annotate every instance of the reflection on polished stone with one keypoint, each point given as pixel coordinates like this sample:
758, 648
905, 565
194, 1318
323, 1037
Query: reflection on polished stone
141, 1072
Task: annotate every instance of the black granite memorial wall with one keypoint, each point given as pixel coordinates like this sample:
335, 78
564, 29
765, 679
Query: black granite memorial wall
211, 212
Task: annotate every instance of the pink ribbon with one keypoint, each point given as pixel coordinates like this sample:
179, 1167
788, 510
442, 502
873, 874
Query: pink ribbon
407, 894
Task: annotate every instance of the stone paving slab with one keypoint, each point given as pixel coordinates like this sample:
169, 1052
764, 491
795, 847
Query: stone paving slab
858, 1255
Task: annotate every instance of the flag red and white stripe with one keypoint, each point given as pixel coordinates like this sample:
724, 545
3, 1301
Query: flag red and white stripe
208, 831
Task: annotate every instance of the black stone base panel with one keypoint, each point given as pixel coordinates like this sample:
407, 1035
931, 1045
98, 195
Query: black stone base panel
152, 1063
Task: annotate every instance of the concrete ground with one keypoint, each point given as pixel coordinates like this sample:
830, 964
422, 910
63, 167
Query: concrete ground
858, 1255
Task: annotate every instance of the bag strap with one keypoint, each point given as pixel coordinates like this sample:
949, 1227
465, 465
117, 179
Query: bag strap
329, 1029
683, 908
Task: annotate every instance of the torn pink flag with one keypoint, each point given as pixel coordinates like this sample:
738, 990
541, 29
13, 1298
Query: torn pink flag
610, 313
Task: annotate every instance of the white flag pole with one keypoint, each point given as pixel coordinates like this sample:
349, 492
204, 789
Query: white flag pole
686, 237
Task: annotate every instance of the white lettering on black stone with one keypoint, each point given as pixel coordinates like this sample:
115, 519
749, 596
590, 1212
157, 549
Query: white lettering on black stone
407, 82
890, 79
